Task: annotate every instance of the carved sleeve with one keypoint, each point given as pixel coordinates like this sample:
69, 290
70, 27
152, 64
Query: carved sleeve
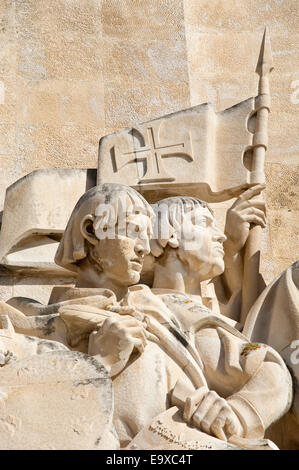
267, 395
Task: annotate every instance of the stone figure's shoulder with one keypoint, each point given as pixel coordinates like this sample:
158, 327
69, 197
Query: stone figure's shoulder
190, 311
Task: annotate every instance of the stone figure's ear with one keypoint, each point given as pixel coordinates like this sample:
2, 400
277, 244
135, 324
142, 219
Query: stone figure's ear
173, 241
87, 229
157, 247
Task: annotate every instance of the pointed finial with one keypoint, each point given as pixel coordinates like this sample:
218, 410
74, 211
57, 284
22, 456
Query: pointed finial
265, 62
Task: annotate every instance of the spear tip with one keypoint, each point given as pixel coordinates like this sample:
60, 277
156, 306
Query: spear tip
265, 61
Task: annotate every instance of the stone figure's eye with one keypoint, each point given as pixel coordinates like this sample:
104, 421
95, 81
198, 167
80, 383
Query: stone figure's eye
200, 222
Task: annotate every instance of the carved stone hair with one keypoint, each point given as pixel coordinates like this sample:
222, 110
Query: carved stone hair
73, 246
169, 217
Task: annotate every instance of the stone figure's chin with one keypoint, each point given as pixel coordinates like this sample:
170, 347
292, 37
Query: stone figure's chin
217, 268
134, 277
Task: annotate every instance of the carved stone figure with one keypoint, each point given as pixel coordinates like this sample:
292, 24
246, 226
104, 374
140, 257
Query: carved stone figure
191, 227
179, 264
89, 244
164, 337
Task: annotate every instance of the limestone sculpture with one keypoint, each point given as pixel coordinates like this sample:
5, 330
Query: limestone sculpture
145, 359
164, 336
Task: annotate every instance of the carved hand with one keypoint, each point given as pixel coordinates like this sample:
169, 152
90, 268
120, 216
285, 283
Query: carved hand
115, 341
212, 414
246, 210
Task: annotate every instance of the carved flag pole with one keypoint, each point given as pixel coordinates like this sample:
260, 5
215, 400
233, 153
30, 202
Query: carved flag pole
251, 277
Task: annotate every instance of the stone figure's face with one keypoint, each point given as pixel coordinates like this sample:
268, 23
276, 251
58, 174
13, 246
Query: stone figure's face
201, 244
121, 258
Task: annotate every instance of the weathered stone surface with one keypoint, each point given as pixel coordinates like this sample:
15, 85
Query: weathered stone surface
162, 434
55, 400
36, 211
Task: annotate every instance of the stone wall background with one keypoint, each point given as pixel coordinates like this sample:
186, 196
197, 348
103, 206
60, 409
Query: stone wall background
74, 70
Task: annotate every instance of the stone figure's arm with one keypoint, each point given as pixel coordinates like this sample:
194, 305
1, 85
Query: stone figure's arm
266, 396
116, 340
247, 209
263, 399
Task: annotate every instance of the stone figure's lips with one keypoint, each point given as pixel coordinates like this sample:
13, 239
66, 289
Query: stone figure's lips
137, 264
219, 248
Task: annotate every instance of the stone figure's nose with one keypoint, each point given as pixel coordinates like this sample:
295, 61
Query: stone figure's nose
142, 246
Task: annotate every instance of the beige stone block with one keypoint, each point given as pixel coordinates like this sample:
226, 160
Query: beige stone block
285, 52
224, 59
284, 234
146, 77
45, 146
151, 60
7, 37
219, 53
280, 246
7, 139
57, 16
283, 138
272, 267
61, 102
57, 57
242, 15
222, 67
7, 99
6, 11
48, 38
7, 30
174, 97
7, 70
283, 184
140, 101
139, 19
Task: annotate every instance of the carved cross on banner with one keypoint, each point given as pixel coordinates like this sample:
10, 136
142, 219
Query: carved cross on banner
152, 156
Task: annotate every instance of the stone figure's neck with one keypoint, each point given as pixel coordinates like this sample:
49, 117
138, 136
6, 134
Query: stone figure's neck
172, 274
91, 277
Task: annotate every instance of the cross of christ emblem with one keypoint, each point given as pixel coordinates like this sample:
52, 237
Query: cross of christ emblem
151, 156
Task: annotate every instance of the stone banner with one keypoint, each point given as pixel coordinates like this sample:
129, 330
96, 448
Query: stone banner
190, 152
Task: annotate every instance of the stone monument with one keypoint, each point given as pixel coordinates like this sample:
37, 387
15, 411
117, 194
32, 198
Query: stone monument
166, 336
